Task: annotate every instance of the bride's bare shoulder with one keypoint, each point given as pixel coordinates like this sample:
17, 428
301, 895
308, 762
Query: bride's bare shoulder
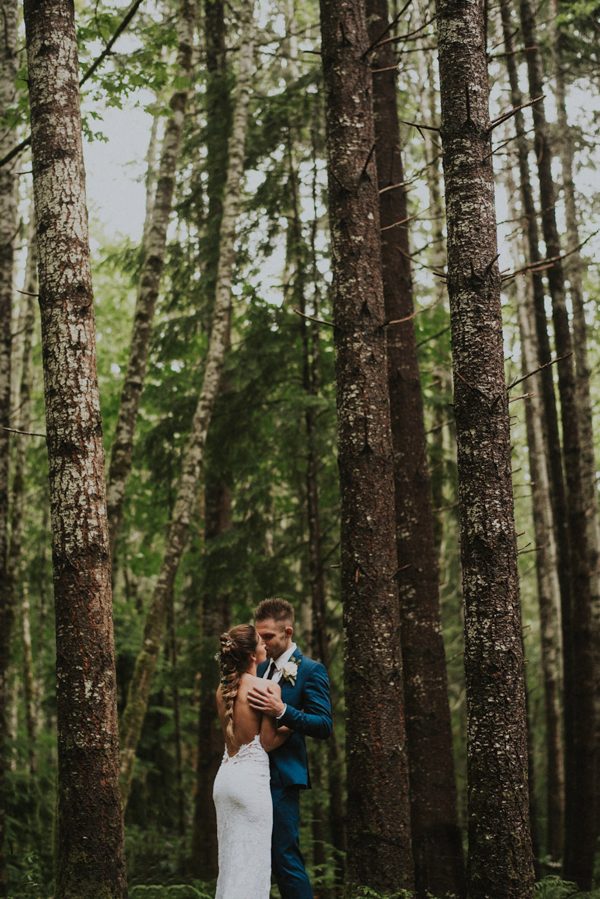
248, 681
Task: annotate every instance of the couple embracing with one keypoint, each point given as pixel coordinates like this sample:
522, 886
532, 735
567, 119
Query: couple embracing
270, 697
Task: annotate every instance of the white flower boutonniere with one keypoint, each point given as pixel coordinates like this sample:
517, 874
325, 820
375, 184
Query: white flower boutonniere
289, 671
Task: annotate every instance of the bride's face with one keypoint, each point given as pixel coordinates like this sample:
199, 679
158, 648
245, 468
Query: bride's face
261, 651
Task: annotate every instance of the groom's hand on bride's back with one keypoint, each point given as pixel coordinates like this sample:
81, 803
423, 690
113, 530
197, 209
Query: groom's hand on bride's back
266, 700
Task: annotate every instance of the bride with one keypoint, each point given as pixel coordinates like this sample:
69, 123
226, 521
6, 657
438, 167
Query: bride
241, 790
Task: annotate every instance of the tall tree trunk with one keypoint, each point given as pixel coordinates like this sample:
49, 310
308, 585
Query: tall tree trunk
150, 275
379, 838
90, 859
547, 581
551, 431
580, 836
574, 269
500, 854
436, 838
21, 421
546, 468
139, 688
8, 228
16, 579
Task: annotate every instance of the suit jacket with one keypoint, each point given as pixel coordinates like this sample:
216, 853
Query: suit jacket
308, 713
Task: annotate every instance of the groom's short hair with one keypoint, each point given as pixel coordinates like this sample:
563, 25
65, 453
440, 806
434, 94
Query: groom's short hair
278, 609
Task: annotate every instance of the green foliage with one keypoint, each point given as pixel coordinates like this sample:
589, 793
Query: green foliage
555, 888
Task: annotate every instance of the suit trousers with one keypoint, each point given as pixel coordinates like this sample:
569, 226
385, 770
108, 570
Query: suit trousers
288, 864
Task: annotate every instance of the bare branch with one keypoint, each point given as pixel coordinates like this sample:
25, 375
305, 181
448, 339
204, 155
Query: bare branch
378, 42
24, 433
535, 371
311, 318
511, 112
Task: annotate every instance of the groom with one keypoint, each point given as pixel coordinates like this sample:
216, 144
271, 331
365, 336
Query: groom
304, 707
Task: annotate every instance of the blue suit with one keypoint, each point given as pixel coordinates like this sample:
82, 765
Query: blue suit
308, 713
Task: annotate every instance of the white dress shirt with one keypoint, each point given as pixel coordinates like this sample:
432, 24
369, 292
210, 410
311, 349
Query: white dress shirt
280, 662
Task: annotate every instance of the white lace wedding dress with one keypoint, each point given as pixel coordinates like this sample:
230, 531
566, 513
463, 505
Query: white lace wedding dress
242, 799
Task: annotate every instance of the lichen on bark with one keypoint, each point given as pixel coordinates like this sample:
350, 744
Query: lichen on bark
500, 853
90, 858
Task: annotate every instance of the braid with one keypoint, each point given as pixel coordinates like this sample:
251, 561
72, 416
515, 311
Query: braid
229, 687
237, 645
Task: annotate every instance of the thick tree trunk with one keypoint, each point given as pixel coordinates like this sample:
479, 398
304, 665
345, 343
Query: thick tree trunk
545, 463
500, 854
139, 688
150, 275
379, 839
8, 227
90, 859
580, 837
436, 838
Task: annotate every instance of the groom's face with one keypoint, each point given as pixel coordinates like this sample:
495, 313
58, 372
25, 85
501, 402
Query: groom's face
277, 636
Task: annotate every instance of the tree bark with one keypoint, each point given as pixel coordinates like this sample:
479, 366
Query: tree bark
580, 825
379, 838
16, 578
574, 270
546, 470
500, 854
90, 858
139, 688
8, 229
150, 275
548, 587
436, 838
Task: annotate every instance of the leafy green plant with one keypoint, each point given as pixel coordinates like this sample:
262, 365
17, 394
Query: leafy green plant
554, 888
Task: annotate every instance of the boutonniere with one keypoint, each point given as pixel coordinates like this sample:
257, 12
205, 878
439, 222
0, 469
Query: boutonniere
289, 671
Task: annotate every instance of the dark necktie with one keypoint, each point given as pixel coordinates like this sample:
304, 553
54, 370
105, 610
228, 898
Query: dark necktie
272, 670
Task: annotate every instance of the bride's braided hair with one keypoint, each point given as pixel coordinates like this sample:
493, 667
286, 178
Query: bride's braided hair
237, 645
